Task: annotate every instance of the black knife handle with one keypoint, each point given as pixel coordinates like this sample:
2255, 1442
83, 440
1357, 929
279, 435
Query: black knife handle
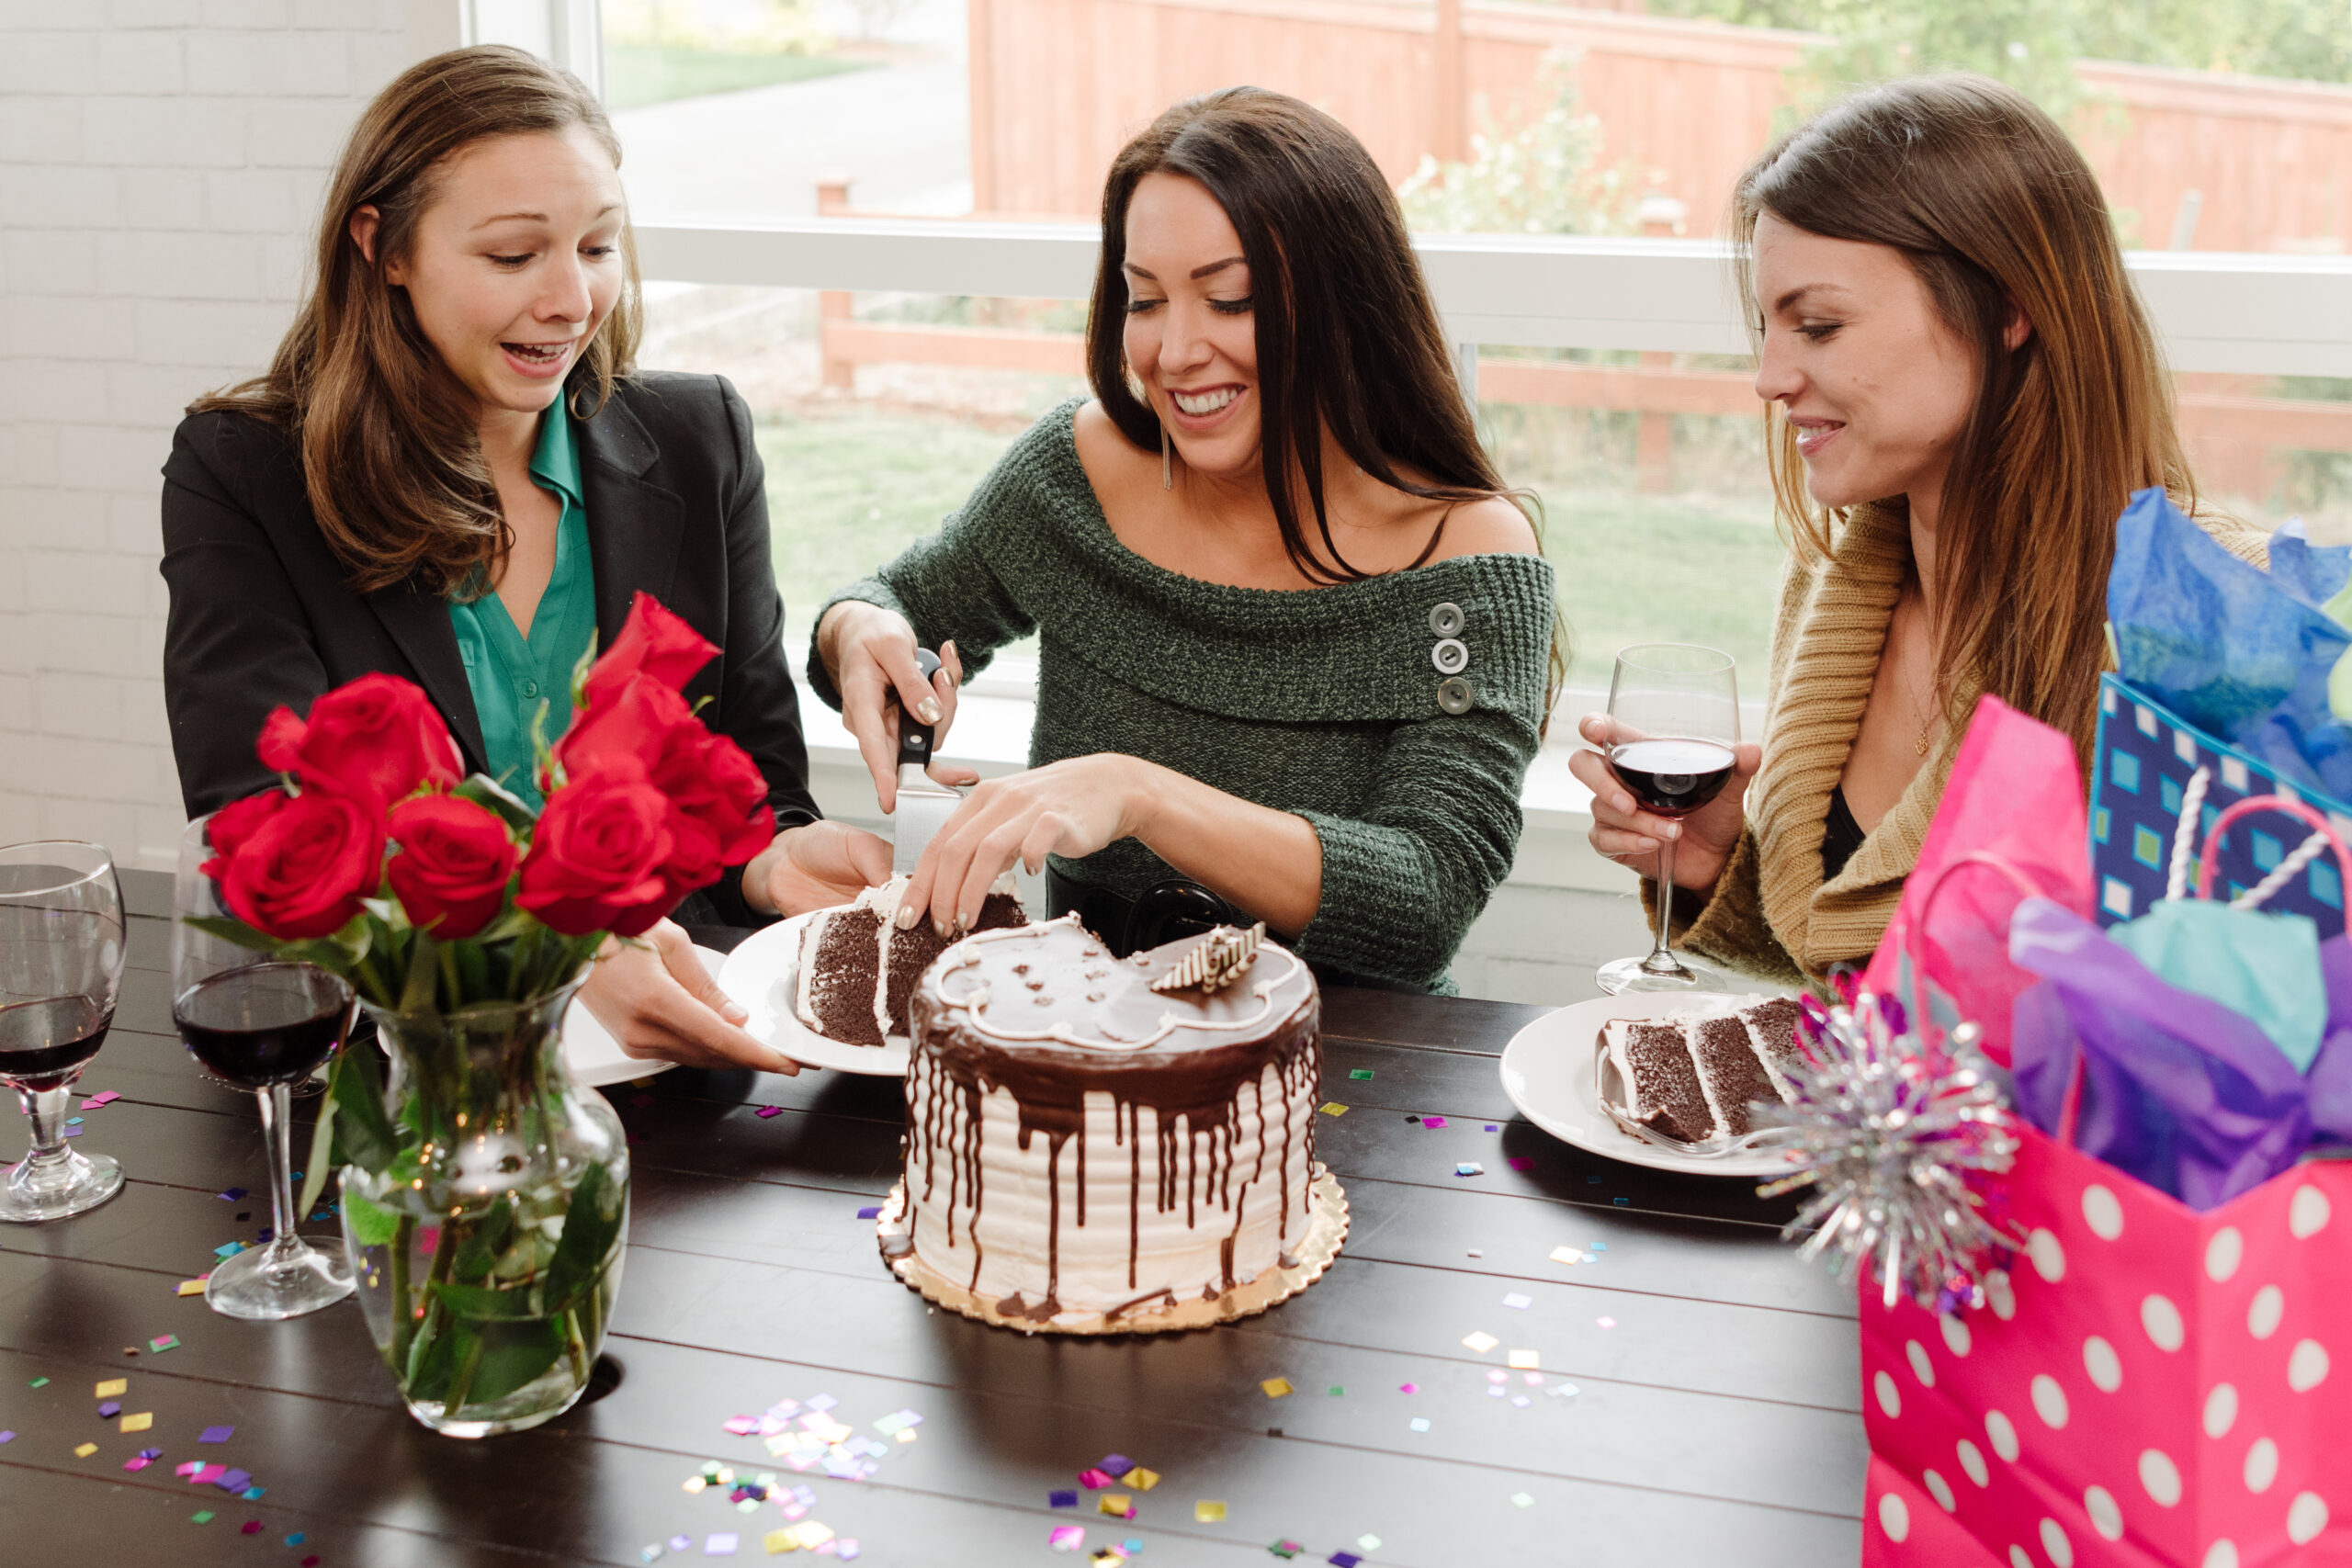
915, 739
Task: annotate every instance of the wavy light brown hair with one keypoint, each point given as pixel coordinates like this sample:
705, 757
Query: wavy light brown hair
391, 453
1993, 206
1348, 337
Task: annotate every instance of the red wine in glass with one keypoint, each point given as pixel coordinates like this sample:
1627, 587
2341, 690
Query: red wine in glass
44, 1043
265, 1024
63, 946
1672, 778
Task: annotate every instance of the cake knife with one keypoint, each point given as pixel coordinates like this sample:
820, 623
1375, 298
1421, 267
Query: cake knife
923, 802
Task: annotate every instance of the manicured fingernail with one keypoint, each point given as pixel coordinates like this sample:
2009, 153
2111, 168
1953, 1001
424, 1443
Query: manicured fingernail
939, 928
1674, 829
929, 711
908, 915
734, 1012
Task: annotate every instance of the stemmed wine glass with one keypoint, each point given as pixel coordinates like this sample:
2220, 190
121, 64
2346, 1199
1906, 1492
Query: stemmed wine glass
263, 1024
62, 949
1673, 720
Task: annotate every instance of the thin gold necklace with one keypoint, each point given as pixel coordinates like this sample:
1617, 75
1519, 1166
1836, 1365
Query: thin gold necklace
1924, 706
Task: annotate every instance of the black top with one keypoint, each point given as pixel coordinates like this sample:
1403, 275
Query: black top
260, 614
1841, 835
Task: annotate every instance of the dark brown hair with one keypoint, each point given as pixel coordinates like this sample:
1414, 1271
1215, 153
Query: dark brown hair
1993, 207
1347, 339
391, 453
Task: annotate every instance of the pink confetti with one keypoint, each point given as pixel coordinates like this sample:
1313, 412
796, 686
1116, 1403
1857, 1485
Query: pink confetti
1094, 1480
743, 1426
1067, 1537
764, 1111
1408, 1388
107, 1098
1522, 1163
1432, 1121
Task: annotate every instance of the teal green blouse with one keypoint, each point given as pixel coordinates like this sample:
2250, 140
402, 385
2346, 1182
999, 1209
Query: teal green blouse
512, 676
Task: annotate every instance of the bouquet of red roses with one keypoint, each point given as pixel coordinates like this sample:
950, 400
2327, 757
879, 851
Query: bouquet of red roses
431, 891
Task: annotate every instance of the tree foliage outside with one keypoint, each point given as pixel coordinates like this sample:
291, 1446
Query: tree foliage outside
1538, 175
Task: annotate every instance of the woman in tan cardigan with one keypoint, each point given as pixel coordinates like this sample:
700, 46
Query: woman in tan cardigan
1965, 392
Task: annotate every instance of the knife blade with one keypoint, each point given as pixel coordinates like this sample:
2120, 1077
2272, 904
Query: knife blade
924, 804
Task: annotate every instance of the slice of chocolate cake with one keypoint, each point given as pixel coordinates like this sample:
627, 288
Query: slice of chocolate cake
1772, 1028
1662, 1088
857, 968
1729, 1071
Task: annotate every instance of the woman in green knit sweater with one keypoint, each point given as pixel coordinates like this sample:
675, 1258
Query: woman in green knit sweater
1296, 646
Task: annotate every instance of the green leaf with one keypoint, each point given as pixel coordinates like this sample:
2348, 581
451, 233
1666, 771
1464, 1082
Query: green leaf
362, 1128
513, 1354
479, 1303
487, 791
435, 1358
590, 1228
322, 1160
371, 1224
229, 928
489, 1238
416, 990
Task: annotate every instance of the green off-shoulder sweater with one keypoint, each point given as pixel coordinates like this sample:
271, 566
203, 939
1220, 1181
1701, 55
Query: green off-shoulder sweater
1334, 704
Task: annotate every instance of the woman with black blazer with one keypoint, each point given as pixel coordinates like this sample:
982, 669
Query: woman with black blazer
450, 473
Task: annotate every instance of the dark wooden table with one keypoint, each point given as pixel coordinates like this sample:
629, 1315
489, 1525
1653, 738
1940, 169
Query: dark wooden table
1716, 1421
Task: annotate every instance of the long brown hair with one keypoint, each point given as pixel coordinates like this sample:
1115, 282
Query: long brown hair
1348, 338
390, 451
1993, 206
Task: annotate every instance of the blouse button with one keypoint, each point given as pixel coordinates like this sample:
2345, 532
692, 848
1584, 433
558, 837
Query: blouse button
530, 688
1452, 656
1446, 620
1455, 695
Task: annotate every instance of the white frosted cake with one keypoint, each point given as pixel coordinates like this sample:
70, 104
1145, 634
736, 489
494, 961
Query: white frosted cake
857, 968
1081, 1145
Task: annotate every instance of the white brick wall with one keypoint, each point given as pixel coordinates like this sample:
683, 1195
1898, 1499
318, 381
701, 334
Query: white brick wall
161, 163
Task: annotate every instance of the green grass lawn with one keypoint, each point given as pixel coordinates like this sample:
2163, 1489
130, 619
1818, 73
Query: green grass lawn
848, 492
639, 74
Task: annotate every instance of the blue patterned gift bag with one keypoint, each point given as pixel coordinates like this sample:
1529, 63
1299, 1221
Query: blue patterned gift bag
2146, 759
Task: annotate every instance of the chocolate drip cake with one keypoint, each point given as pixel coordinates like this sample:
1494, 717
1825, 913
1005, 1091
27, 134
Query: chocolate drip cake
1695, 1076
1082, 1148
858, 969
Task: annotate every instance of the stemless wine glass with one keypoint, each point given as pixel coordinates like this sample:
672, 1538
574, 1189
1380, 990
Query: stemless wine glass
1673, 720
62, 947
261, 1024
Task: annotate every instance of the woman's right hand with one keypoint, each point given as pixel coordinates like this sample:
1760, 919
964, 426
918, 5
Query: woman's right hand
1625, 833
870, 653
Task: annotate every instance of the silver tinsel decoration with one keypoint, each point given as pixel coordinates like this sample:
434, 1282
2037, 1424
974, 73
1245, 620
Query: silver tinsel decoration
1888, 1130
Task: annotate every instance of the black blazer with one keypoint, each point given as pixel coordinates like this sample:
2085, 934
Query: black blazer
260, 614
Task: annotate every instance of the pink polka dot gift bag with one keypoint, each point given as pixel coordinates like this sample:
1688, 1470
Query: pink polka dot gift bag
2160, 1372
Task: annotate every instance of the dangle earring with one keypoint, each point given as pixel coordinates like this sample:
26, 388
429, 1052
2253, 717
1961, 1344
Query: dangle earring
1167, 466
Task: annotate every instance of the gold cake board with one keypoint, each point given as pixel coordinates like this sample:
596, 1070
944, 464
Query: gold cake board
1327, 1229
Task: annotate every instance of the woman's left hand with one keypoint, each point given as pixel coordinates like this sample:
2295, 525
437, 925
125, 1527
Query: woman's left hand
1071, 808
815, 866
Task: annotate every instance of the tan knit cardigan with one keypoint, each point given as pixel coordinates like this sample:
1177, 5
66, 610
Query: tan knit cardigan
1770, 913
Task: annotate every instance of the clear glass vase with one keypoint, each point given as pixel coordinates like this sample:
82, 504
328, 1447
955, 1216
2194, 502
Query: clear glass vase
488, 1249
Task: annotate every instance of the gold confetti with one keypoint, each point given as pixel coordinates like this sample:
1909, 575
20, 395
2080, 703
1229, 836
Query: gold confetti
1525, 1361
139, 1422
908, 1434
811, 1534
779, 1541
1118, 1504
1335, 1109
1143, 1480
1480, 1342
695, 1483
85, 1450
1208, 1513
1275, 1387
188, 1288
113, 1386
1568, 1254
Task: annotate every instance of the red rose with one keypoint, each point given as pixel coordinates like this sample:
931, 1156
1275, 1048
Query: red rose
598, 852
718, 810
376, 739
653, 643
302, 871
454, 864
639, 718
237, 821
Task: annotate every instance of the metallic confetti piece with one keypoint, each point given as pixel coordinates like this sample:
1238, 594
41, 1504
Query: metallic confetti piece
1420, 1423
1532, 1380
191, 1287
1469, 1168
1606, 1322
1477, 1252
848, 1550
107, 1389
1343, 1559
110, 1409
645, 1554
168, 1342
85, 1450
871, 1212
1143, 1480
1567, 1255
8, 1437
1338, 1390
235, 1480
1495, 1374
1276, 1388
1369, 1542
1118, 1504
70, 1133
104, 1097
777, 1541
297, 1539
231, 1195
1432, 1121
720, 1545
1093, 1479
1518, 1302
822, 1402
204, 1475
137, 1463
1208, 1513
138, 1423
1361, 1074
1061, 1499
695, 1483
37, 1382
1067, 1537
1408, 1388
201, 1516
1494, 1392
1520, 1164
1598, 1246
1492, 1128
742, 1426
680, 1542
1621, 1203
1334, 1109
73, 1121
1521, 1402
1480, 1342
1522, 1500
1114, 1465
1285, 1548
251, 1526
216, 1433
764, 1111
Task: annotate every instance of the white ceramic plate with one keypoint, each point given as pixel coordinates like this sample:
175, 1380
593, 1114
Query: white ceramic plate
760, 975
596, 1058
1548, 1072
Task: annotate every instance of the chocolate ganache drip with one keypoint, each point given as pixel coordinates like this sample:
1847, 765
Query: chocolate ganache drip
1046, 1014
